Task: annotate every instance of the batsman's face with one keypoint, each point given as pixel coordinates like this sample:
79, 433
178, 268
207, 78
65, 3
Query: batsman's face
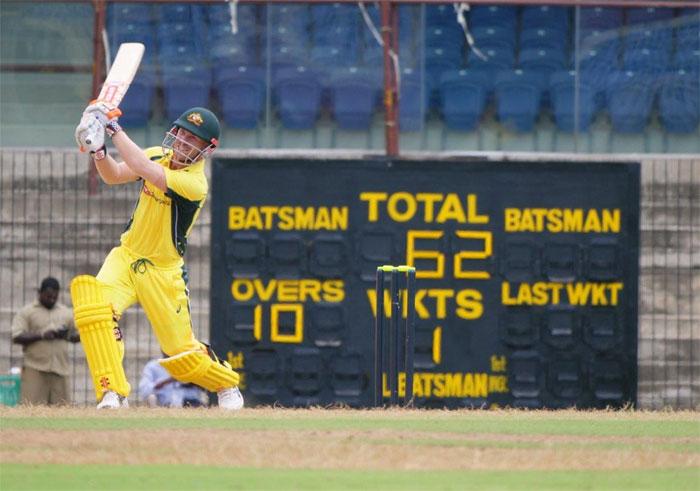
48, 297
187, 147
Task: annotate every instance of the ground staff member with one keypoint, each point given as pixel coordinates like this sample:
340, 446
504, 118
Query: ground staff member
44, 328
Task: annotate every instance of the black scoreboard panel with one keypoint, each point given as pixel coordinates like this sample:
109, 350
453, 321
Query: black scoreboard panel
526, 278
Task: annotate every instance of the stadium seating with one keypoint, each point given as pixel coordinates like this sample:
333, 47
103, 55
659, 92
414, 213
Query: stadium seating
119, 14
175, 12
439, 15
493, 35
298, 96
444, 37
353, 95
649, 60
688, 60
241, 94
629, 96
493, 15
137, 105
518, 98
463, 96
679, 103
564, 90
545, 17
601, 18
644, 15
544, 38
184, 86
542, 60
497, 56
414, 101
658, 39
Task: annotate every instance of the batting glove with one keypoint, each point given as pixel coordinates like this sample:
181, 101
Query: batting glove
103, 111
91, 136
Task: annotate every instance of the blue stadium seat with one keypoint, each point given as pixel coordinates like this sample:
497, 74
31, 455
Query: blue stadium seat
241, 93
489, 35
341, 35
629, 98
438, 60
679, 103
645, 15
185, 86
286, 57
177, 53
332, 13
136, 33
220, 33
128, 13
328, 58
544, 38
298, 97
174, 12
658, 39
295, 17
542, 60
518, 99
688, 60
594, 60
601, 17
138, 102
545, 16
353, 95
463, 96
648, 60
688, 37
490, 15
219, 14
289, 36
498, 56
414, 101
439, 15
564, 90
600, 40
444, 36
224, 53
179, 34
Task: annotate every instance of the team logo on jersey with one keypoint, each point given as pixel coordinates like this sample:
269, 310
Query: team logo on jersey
195, 119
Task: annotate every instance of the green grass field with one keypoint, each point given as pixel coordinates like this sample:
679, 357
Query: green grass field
72, 449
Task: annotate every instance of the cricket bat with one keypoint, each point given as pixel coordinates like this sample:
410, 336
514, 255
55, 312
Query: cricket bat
119, 78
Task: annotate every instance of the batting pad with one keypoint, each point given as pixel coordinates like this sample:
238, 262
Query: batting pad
197, 367
95, 322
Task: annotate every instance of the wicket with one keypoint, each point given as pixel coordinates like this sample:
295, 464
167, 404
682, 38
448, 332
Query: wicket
392, 344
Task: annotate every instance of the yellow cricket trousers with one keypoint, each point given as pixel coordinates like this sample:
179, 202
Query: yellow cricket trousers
162, 292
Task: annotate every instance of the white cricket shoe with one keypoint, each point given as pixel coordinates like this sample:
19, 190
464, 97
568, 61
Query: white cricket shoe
112, 400
230, 399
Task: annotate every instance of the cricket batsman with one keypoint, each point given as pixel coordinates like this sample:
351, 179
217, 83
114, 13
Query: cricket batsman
148, 267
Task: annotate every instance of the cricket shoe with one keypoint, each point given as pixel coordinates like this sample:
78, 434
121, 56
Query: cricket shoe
230, 399
112, 400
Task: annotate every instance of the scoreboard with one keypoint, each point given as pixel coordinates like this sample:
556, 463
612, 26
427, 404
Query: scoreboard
526, 278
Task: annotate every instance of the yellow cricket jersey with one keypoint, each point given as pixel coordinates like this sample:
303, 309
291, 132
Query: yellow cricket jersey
161, 222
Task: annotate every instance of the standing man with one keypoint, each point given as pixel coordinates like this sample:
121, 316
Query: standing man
44, 328
148, 266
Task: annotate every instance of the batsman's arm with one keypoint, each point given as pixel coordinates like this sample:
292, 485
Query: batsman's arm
137, 161
113, 172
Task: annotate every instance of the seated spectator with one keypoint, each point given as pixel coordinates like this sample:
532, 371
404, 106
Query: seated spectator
158, 388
